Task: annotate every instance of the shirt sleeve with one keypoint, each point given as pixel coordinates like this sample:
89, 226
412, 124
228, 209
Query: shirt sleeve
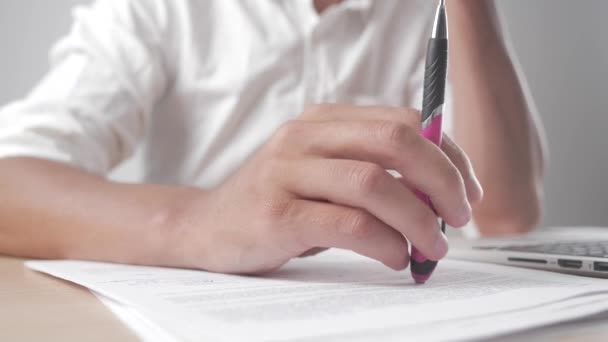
92, 107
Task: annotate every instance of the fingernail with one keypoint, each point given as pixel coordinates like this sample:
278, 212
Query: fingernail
441, 246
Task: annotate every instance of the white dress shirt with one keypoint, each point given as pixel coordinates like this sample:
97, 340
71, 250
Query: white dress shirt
203, 84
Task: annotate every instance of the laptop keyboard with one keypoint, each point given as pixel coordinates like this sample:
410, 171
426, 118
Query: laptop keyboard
598, 249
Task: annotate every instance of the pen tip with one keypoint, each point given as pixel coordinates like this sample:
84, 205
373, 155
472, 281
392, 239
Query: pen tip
440, 25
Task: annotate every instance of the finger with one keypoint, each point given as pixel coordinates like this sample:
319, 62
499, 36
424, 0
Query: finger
329, 225
370, 188
338, 112
463, 163
391, 145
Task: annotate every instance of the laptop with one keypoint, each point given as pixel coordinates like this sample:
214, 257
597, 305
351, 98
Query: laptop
573, 250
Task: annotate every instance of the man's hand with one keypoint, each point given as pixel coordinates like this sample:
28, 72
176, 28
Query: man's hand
320, 182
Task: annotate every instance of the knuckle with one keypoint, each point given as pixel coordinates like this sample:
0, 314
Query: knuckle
285, 135
399, 135
393, 132
366, 178
355, 224
399, 142
275, 209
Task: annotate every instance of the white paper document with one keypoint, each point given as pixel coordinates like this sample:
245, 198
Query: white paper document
339, 296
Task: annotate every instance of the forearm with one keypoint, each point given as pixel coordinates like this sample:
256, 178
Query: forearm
494, 124
50, 210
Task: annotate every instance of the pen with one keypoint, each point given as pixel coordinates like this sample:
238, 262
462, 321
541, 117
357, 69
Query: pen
432, 111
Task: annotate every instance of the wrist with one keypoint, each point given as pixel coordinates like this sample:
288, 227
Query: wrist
180, 229
155, 232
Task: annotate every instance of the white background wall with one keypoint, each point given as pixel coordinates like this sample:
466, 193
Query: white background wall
562, 46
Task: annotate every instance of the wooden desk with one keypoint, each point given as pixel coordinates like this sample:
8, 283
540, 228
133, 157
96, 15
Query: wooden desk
35, 307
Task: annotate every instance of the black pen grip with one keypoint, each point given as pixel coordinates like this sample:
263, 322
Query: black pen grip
435, 76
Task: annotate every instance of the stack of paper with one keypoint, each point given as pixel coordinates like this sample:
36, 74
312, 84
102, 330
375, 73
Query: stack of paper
337, 297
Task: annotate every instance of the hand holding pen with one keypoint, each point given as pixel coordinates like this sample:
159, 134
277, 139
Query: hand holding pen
432, 112
320, 182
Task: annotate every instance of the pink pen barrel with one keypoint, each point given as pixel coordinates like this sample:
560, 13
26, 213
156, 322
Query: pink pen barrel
434, 131
421, 267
